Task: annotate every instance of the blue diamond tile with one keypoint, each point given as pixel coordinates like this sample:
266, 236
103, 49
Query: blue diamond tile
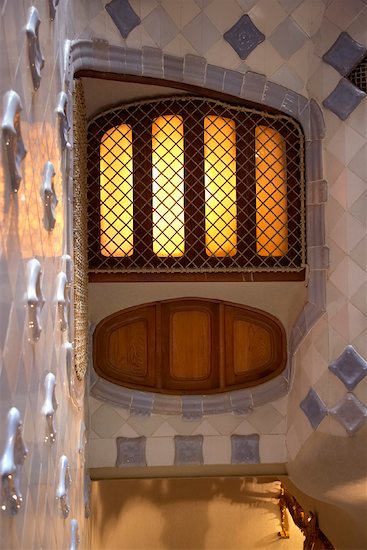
350, 367
313, 408
130, 451
351, 413
244, 36
245, 449
123, 16
344, 99
188, 449
344, 54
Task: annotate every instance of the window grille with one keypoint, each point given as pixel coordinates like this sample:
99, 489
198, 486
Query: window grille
358, 76
190, 184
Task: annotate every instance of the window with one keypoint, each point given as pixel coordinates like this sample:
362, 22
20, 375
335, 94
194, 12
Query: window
190, 184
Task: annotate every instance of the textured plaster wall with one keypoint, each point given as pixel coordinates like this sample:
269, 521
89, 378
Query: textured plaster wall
24, 364
297, 34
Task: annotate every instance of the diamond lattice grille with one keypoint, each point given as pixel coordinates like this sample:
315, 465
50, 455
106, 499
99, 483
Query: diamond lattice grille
358, 76
194, 184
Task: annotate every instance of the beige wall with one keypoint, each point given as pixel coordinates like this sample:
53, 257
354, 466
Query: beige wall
191, 514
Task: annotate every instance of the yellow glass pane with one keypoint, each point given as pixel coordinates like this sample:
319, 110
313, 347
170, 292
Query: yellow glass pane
168, 186
220, 186
116, 192
271, 193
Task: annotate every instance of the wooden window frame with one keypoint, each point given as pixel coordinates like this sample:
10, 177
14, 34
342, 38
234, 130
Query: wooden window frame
193, 155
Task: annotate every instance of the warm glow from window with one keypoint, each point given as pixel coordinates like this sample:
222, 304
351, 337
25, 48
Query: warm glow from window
220, 186
271, 193
168, 186
116, 192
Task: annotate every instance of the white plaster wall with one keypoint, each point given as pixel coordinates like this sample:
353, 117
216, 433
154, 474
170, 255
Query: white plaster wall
23, 365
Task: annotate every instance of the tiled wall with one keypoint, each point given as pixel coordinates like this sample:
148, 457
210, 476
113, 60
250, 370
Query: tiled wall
297, 34
342, 407
288, 41
25, 234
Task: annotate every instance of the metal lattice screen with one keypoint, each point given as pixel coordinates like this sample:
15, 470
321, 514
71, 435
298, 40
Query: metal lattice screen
358, 76
194, 184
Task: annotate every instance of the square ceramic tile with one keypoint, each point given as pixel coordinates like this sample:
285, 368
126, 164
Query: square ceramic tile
160, 451
217, 450
309, 16
245, 449
223, 19
273, 449
287, 38
342, 14
188, 450
130, 452
160, 26
201, 33
267, 15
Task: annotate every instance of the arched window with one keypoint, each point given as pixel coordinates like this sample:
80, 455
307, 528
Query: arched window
195, 185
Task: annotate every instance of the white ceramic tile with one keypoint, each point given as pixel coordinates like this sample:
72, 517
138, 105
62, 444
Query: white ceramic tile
126, 431
273, 449
245, 428
358, 164
102, 453
358, 119
142, 9
205, 428
264, 59
223, 19
342, 13
288, 78
160, 27
144, 425
179, 46
347, 232
358, 28
309, 16
106, 422
164, 430
160, 451
292, 443
183, 427
181, 12
267, 15
201, 33
356, 278
222, 55
265, 418
225, 424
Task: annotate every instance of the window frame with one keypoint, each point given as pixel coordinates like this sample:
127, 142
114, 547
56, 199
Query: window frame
246, 186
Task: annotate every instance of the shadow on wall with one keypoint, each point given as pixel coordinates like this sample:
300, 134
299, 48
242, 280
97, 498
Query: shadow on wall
188, 513
333, 470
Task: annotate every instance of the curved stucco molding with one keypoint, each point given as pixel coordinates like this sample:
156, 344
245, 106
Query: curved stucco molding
99, 55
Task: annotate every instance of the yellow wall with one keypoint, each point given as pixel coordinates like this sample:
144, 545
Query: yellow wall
196, 513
